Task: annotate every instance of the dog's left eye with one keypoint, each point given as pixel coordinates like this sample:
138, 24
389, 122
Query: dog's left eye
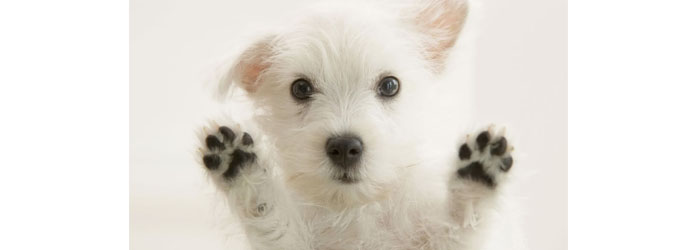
388, 86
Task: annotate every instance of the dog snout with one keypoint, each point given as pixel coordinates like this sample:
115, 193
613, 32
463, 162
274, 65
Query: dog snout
344, 151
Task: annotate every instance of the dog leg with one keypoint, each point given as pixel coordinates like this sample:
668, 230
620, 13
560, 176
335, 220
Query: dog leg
244, 171
484, 161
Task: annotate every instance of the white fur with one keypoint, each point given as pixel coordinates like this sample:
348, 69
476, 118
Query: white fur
408, 196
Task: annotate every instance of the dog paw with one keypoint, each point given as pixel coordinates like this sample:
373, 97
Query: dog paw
485, 157
226, 152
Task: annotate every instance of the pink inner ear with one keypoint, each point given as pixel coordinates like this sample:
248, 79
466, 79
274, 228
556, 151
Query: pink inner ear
251, 65
442, 21
250, 74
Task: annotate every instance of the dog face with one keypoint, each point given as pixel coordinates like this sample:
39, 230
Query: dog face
339, 91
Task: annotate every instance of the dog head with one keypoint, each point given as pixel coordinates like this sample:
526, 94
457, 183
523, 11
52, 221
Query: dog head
339, 90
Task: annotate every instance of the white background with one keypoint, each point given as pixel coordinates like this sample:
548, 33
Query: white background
177, 46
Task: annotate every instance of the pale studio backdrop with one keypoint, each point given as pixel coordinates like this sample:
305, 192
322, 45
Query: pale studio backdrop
520, 73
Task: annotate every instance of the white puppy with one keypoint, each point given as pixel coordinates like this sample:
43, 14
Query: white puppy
341, 154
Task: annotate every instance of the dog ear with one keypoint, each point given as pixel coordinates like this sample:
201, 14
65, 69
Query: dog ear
248, 69
439, 22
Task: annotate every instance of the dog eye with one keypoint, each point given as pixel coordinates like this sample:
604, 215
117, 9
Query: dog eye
302, 89
388, 86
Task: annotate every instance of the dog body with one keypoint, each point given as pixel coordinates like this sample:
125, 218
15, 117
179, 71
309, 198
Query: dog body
340, 155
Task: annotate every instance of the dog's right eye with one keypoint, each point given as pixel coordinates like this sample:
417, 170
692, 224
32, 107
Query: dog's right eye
302, 89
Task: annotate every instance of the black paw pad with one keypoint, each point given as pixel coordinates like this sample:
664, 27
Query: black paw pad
507, 163
475, 171
247, 140
482, 140
499, 147
228, 134
213, 143
238, 159
464, 152
211, 161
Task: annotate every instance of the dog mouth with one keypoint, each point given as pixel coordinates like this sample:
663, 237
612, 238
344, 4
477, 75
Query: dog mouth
346, 178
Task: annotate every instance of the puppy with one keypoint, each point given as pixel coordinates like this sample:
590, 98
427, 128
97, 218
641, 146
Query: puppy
342, 153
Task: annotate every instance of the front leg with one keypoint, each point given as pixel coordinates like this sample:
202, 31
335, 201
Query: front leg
483, 164
245, 173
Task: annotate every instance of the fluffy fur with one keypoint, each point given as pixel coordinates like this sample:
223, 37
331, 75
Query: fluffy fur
409, 194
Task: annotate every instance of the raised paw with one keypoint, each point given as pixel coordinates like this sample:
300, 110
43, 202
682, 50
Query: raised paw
227, 152
485, 158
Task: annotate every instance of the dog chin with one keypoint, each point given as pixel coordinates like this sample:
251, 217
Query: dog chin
340, 188
353, 191
354, 194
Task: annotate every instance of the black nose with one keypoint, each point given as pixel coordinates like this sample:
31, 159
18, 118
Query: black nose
344, 151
